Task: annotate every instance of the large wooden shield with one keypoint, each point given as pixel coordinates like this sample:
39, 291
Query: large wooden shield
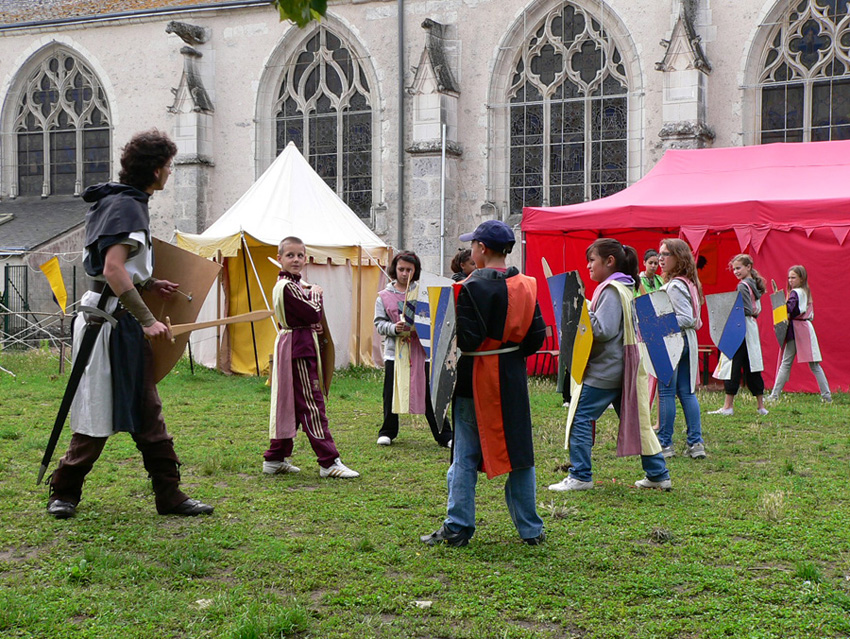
195, 275
780, 316
443, 349
660, 333
575, 335
726, 321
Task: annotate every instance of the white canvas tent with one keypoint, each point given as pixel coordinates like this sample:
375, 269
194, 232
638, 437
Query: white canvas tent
288, 199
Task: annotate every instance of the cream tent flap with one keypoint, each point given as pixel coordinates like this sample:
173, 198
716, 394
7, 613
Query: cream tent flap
229, 247
290, 199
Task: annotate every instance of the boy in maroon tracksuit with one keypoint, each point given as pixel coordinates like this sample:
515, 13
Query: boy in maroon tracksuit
297, 391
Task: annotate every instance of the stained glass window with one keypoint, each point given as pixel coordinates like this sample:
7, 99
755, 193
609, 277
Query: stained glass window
805, 81
62, 129
324, 106
568, 114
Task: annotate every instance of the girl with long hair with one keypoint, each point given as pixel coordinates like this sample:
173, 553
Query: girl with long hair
614, 374
800, 340
747, 361
682, 285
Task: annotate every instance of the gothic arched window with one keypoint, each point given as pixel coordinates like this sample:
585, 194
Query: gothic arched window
568, 106
324, 106
804, 84
61, 129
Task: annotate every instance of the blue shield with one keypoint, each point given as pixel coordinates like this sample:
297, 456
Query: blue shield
660, 332
443, 348
422, 325
726, 321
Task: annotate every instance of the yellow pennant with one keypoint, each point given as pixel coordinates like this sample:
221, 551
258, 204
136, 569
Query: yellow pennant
53, 274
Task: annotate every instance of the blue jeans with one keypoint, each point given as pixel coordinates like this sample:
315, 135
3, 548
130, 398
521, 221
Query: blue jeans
680, 384
520, 487
591, 404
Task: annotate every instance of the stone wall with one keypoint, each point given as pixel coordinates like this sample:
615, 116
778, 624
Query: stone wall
139, 64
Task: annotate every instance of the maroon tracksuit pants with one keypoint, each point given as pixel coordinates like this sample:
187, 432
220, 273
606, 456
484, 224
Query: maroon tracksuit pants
309, 415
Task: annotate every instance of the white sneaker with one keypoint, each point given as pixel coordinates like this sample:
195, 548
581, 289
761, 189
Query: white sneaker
664, 484
722, 411
338, 470
449, 443
279, 467
383, 440
571, 483
762, 411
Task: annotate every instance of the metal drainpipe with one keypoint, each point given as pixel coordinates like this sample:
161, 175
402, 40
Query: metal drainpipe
400, 216
443, 199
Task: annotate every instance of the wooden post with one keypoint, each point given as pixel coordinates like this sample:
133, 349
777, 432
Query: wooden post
358, 321
219, 283
62, 344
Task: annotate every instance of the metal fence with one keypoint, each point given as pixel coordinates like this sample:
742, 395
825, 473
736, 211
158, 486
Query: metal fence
15, 303
27, 317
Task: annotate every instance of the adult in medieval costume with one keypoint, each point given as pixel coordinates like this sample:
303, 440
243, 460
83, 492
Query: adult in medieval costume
801, 339
117, 391
498, 325
406, 367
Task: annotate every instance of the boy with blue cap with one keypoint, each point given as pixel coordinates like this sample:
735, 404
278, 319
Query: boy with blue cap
498, 325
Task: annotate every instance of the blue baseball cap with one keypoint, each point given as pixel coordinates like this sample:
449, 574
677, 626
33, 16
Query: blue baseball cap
494, 234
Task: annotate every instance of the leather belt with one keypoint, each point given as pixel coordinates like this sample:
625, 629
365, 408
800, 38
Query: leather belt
499, 351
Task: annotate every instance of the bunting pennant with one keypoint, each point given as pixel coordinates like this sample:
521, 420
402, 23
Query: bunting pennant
744, 235
693, 236
53, 273
757, 237
840, 233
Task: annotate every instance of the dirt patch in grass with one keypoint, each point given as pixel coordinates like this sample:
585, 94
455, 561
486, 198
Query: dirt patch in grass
545, 628
19, 555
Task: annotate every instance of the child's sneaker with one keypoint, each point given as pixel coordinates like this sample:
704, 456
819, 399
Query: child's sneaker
279, 467
571, 483
646, 482
383, 440
697, 451
762, 411
338, 470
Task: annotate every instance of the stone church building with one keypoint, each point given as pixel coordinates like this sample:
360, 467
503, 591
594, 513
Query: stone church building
542, 102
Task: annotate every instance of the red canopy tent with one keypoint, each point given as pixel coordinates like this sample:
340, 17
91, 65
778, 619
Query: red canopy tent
784, 204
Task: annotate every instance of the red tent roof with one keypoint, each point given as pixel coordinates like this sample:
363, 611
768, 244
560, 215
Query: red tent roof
784, 203
774, 186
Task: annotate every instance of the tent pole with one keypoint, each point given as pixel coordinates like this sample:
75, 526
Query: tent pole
358, 321
250, 308
218, 310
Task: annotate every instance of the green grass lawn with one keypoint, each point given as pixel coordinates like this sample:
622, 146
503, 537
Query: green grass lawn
751, 542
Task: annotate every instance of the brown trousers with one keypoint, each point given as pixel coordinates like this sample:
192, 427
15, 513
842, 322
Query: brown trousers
153, 441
